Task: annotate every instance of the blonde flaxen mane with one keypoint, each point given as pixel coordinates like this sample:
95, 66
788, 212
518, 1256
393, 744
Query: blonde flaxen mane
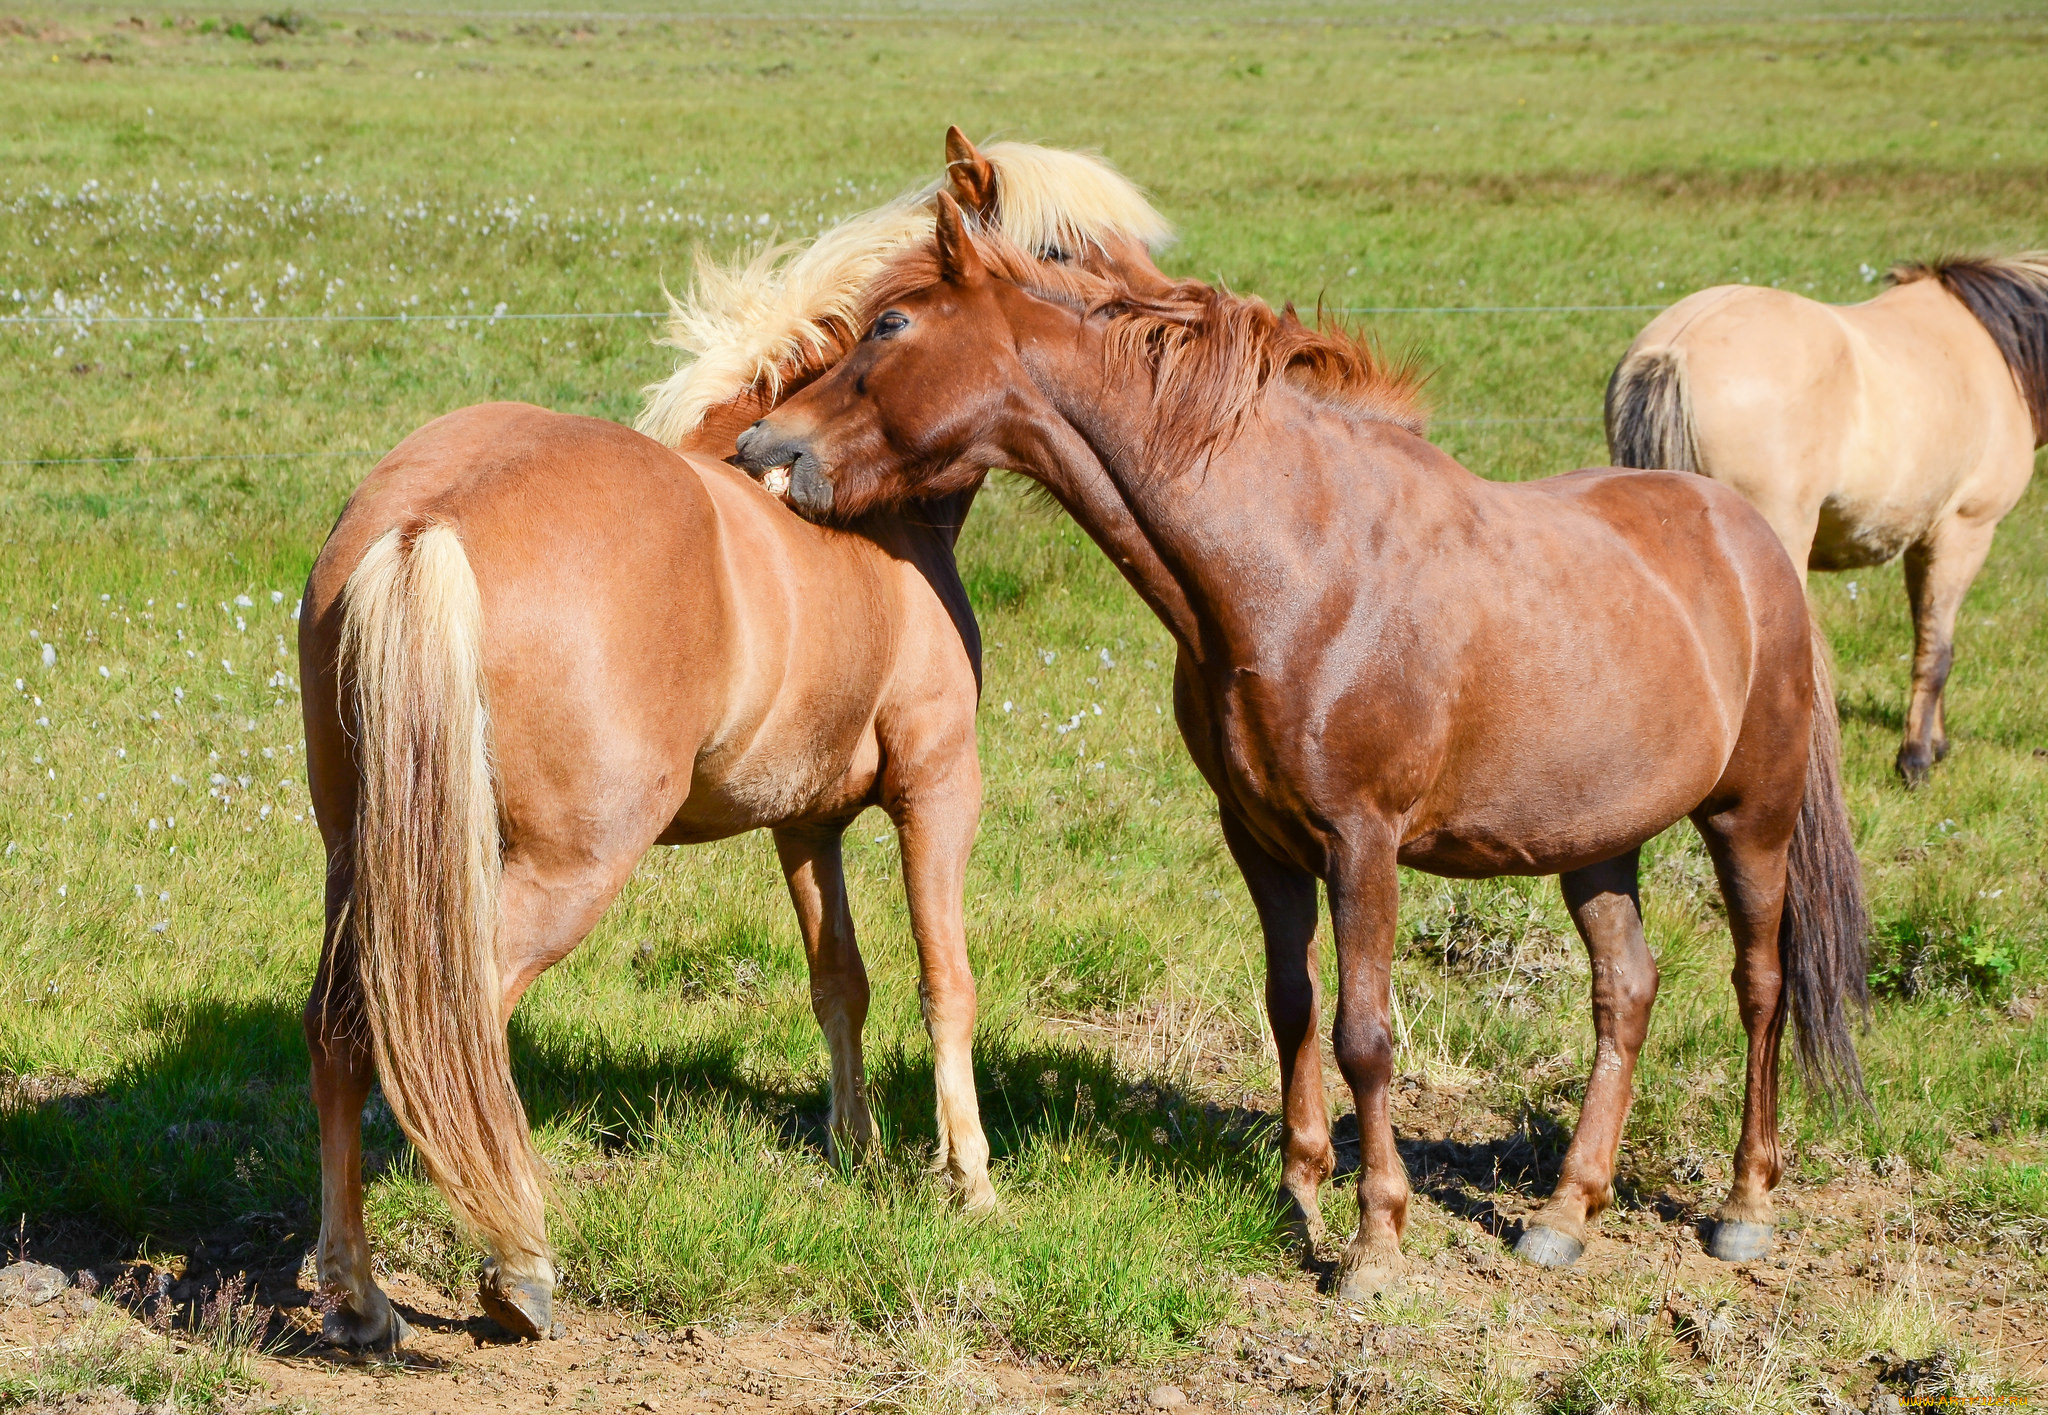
756, 324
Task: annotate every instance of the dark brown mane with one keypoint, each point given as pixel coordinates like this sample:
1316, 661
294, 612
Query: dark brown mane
1208, 353
2009, 297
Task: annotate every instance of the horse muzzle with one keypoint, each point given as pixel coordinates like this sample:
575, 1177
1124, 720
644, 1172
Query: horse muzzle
787, 468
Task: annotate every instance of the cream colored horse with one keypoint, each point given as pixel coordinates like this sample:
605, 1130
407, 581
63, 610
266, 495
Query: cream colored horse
1906, 424
536, 646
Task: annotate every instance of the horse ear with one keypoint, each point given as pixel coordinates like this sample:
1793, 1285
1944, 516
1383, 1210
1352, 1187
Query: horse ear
971, 176
959, 261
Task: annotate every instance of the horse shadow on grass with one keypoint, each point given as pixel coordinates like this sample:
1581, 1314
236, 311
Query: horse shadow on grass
208, 1146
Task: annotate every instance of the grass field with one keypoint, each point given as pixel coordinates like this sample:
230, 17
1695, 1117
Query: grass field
165, 486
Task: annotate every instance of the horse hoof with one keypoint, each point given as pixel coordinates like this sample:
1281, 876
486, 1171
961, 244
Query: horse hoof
1360, 1279
977, 1196
1301, 1221
1547, 1248
523, 1306
383, 1330
1914, 767
1737, 1242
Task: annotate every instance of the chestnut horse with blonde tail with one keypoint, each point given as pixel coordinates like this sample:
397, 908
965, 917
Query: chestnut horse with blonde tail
1385, 660
1906, 424
536, 646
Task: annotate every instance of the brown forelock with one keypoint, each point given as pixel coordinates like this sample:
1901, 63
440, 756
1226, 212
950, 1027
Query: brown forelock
2009, 297
1208, 353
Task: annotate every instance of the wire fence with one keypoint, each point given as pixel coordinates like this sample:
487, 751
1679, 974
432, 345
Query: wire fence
496, 318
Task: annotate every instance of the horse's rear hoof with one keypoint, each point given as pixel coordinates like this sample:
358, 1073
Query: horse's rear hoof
1738, 1242
381, 1331
1300, 1219
977, 1197
523, 1306
1547, 1248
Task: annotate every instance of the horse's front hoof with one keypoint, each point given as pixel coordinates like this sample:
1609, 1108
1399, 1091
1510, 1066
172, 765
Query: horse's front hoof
1914, 764
1735, 1241
1363, 1276
523, 1306
382, 1330
1547, 1248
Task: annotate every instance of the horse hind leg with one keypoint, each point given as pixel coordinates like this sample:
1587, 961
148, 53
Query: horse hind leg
1607, 910
359, 1314
815, 871
1939, 571
544, 913
1749, 853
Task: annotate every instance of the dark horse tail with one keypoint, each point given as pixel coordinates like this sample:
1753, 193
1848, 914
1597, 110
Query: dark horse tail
1649, 412
1823, 934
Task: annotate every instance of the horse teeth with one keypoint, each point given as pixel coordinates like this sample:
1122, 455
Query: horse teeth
776, 480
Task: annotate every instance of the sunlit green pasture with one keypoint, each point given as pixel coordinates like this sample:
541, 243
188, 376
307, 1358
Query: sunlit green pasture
165, 486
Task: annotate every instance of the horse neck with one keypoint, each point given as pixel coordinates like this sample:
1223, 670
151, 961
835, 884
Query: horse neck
1201, 544
1071, 458
922, 533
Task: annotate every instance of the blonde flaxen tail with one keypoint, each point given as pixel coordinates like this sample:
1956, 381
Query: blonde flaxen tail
424, 908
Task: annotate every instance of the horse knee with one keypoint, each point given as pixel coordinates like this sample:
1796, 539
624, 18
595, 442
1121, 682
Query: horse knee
1365, 1050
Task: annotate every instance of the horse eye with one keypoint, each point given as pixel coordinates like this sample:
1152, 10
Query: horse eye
890, 323
1058, 255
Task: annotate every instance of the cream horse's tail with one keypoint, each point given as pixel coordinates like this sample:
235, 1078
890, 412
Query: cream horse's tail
1649, 412
424, 908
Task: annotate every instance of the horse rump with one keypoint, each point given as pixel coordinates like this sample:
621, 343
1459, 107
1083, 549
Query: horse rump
1649, 412
424, 906
1824, 932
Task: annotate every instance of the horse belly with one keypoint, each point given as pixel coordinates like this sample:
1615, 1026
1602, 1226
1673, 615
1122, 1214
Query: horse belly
792, 782
1853, 535
1548, 827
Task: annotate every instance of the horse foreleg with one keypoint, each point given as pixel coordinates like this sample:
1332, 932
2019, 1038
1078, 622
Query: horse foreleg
1607, 910
1364, 903
816, 874
935, 825
1285, 897
337, 1036
1939, 571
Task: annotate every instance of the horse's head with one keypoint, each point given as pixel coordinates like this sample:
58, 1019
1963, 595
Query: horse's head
918, 409
757, 329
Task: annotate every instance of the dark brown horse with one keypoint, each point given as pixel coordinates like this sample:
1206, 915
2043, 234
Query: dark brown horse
1385, 660
536, 646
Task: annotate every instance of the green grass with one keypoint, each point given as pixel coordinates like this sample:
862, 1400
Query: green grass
151, 973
